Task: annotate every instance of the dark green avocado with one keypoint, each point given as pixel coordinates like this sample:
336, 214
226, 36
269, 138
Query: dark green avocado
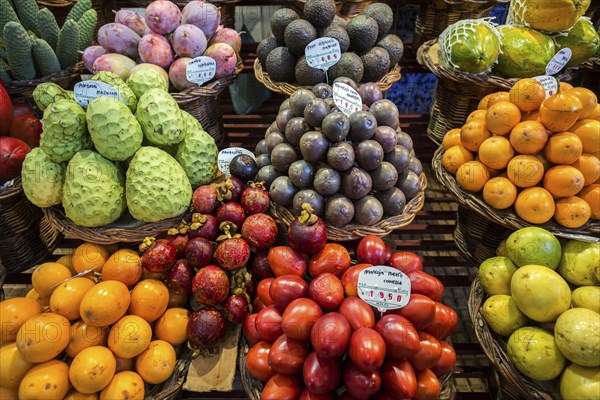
362, 31
376, 63
298, 34
319, 13
281, 64
280, 20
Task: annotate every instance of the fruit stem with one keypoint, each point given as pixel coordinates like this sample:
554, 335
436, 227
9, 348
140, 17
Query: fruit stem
180, 229
198, 220
229, 229
306, 216
147, 243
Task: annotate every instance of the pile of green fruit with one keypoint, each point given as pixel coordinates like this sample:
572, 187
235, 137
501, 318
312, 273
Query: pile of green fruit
546, 299
368, 50
31, 43
140, 153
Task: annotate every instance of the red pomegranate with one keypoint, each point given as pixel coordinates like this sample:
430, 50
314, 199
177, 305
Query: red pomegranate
260, 231
255, 199
158, 255
210, 285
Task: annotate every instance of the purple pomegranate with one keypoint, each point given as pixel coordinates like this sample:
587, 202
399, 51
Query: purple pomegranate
198, 252
224, 56
188, 41
210, 286
155, 49
179, 277
206, 327
163, 16
91, 54
205, 199
204, 15
205, 226
132, 20
118, 38
158, 255
236, 309
229, 36
177, 74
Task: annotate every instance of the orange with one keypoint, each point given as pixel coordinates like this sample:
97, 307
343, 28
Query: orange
495, 152
46, 381
528, 137
589, 166
477, 114
595, 115
588, 100
588, 131
89, 256
125, 364
43, 337
572, 212
591, 195
13, 313
472, 176
473, 134
75, 395
540, 156
177, 300
483, 103
125, 266
531, 116
126, 383
149, 299
105, 303
34, 295
171, 326
497, 97
525, 171
563, 148
67, 261
499, 193
92, 369
66, 298
451, 138
47, 275
84, 336
563, 181
564, 86
156, 364
501, 117
454, 157
527, 94
560, 111
535, 205
129, 336
13, 367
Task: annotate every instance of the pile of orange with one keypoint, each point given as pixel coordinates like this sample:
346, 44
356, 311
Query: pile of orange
99, 336
539, 155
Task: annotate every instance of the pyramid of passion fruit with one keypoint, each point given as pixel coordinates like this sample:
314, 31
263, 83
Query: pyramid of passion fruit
356, 168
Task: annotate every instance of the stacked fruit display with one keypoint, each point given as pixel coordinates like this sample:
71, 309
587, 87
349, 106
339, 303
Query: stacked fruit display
312, 336
358, 167
104, 160
31, 43
546, 300
167, 38
538, 155
368, 50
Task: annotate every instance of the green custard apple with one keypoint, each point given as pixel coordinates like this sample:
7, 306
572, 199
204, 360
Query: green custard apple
191, 123
197, 154
145, 79
534, 352
577, 334
47, 93
42, 179
160, 118
580, 262
64, 131
127, 95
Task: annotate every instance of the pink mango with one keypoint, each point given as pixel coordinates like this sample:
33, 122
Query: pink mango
132, 20
118, 38
204, 15
90, 55
224, 56
115, 63
162, 16
188, 41
177, 74
155, 49
229, 36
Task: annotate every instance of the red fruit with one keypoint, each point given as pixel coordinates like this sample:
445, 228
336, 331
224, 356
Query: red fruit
27, 128
428, 386
257, 361
20, 108
350, 279
371, 250
232, 254
358, 313
330, 335
399, 377
287, 288
447, 361
332, 258
406, 262
255, 199
268, 324
367, 349
205, 199
299, 318
12, 155
327, 290
231, 212
401, 338
205, 328
420, 311
284, 260
236, 309
6, 111
361, 385
388, 254
263, 291
258, 305
287, 355
307, 395
259, 265
179, 237
321, 376
260, 231
308, 233
198, 252
282, 387
205, 226
236, 187
425, 284
180, 277
158, 255
429, 354
249, 329
444, 322
210, 285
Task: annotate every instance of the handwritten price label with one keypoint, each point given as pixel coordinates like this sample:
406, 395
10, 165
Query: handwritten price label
322, 53
346, 98
226, 155
201, 69
86, 91
559, 61
549, 83
384, 288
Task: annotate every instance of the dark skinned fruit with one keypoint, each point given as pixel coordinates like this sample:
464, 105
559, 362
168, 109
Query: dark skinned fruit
231, 212
259, 265
236, 309
294, 130
399, 157
210, 286
282, 191
311, 197
409, 184
301, 174
180, 277
205, 199
204, 226
255, 199
362, 126
206, 327
339, 210
158, 255
313, 146
386, 137
392, 200
341, 156
322, 91
384, 177
370, 93
356, 183
298, 101
259, 230
243, 167
369, 155
386, 113
316, 110
283, 118
262, 160
282, 156
327, 181
335, 126
307, 234
178, 235
267, 174
198, 252
368, 210
232, 252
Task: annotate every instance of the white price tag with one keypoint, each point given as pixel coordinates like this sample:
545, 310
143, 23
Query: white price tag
226, 155
86, 91
346, 98
549, 83
384, 288
322, 53
201, 69
559, 61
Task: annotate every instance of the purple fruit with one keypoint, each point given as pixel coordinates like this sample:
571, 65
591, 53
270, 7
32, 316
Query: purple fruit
370, 93
180, 276
177, 74
188, 41
204, 226
204, 15
118, 38
236, 309
163, 16
224, 56
90, 55
198, 252
231, 212
210, 286
116, 63
259, 265
205, 328
158, 255
132, 20
155, 49
229, 36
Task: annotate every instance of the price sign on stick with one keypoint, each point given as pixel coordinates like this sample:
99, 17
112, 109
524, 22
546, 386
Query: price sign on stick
549, 83
346, 98
559, 61
384, 288
85, 92
201, 70
322, 53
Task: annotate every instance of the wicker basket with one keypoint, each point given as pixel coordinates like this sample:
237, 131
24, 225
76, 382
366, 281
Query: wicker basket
513, 385
64, 79
204, 104
2, 279
506, 219
355, 231
26, 237
286, 88
61, 8
171, 388
227, 8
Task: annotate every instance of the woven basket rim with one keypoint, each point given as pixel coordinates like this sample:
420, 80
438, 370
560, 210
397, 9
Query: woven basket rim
507, 219
14, 190
288, 89
17, 87
592, 63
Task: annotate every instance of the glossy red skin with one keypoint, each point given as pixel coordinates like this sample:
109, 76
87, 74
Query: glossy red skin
236, 309
399, 377
425, 284
258, 305
330, 335
179, 241
446, 363
20, 108
210, 285
367, 349
205, 328
361, 385
307, 395
257, 361
358, 313
282, 387
160, 257
199, 252
406, 262
400, 336
286, 261
27, 128
307, 239
255, 200
321, 376
205, 199
237, 190
327, 290
443, 323
428, 386
232, 254
231, 212
371, 250
180, 277
287, 355
383, 395
12, 155
259, 265
429, 355
209, 229
350, 279
332, 258
388, 254
263, 291
287, 288
6, 111
249, 329
268, 324
299, 318
260, 231
420, 311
